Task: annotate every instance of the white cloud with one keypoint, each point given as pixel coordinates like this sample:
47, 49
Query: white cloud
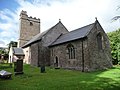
73, 13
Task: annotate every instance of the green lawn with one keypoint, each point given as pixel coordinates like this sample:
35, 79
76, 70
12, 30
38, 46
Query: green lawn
60, 79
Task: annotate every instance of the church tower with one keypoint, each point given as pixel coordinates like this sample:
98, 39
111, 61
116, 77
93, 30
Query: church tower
29, 27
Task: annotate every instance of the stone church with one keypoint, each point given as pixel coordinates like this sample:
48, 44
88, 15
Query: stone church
85, 49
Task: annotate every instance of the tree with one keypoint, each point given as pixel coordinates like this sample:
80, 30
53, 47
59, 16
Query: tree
115, 45
13, 44
3, 53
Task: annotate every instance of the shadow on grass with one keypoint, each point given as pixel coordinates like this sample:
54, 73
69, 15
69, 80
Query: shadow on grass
100, 83
102, 80
5, 66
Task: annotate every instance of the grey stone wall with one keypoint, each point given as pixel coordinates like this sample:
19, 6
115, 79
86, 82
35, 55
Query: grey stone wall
34, 54
40, 55
44, 55
61, 52
99, 59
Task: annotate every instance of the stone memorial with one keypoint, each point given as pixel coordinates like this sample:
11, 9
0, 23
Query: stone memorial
5, 75
18, 67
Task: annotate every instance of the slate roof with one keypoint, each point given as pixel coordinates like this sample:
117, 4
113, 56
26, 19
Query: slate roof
73, 35
35, 38
39, 36
18, 51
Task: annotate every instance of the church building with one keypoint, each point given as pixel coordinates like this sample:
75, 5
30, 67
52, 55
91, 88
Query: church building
85, 49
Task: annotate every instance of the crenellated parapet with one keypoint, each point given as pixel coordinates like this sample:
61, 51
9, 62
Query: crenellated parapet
23, 15
34, 19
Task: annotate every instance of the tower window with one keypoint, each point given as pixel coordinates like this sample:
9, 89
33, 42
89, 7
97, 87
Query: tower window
31, 24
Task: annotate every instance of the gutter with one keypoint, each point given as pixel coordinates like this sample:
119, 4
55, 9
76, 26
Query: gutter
24, 46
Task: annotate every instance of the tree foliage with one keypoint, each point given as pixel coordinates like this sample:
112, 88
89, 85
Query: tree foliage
13, 44
4, 52
115, 45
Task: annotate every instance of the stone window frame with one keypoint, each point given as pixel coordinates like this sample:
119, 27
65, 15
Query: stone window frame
71, 51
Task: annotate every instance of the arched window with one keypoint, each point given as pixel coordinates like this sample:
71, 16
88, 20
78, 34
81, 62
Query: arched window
99, 41
71, 51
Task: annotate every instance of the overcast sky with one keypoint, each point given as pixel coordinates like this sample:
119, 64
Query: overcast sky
73, 14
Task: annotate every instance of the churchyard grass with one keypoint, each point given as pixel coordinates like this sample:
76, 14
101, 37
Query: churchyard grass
60, 79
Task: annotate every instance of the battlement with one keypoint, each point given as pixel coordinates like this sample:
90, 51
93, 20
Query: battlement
23, 15
34, 19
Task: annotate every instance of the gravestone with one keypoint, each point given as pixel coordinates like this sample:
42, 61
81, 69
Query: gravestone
5, 75
18, 67
42, 69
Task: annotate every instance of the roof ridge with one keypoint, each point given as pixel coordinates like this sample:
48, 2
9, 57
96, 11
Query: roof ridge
78, 28
82, 27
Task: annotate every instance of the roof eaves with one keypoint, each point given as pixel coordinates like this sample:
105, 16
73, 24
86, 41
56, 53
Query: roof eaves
52, 45
31, 43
